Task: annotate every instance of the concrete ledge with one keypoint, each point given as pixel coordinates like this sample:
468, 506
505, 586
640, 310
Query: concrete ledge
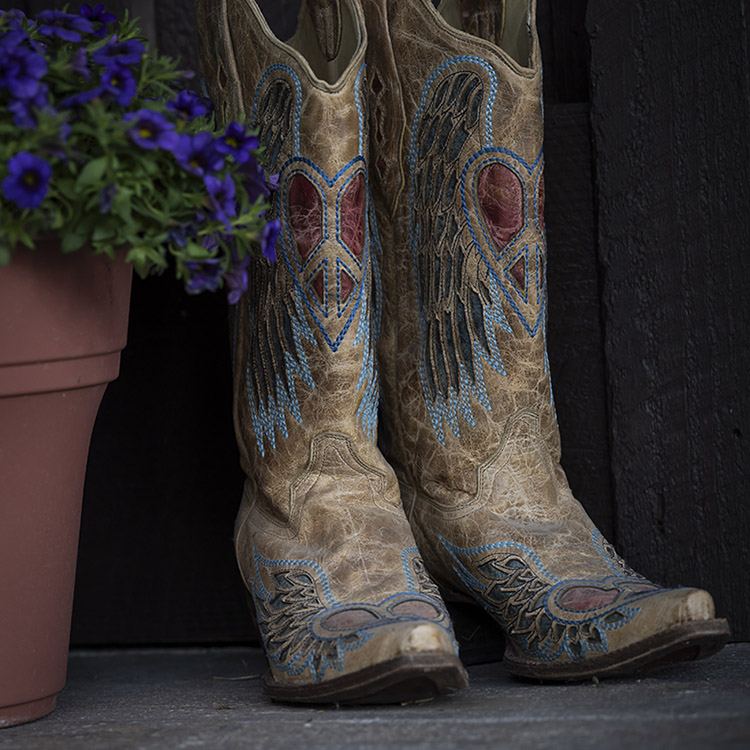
211, 698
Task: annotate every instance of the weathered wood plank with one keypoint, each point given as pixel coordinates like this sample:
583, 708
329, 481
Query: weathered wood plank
671, 114
575, 332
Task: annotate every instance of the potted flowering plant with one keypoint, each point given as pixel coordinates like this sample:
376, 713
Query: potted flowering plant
105, 165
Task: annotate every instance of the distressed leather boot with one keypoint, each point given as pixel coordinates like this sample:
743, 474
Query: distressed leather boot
344, 606
470, 426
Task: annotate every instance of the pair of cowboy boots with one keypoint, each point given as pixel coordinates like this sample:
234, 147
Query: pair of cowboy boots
408, 143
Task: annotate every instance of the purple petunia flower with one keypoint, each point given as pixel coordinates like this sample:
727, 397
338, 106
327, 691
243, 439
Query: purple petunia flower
97, 15
222, 194
78, 100
120, 53
268, 239
254, 180
237, 279
272, 182
14, 16
27, 181
151, 130
197, 154
80, 63
21, 69
67, 26
107, 197
189, 105
119, 82
205, 275
237, 142
23, 109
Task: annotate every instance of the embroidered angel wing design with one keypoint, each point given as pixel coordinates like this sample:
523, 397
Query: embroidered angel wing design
277, 325
274, 113
460, 306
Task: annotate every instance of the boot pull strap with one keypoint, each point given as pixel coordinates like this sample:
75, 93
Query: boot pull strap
326, 18
483, 18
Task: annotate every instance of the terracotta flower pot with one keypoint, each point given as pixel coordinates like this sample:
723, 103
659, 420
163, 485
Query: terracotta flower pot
63, 323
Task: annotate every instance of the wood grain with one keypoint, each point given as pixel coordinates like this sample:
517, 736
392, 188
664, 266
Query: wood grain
671, 114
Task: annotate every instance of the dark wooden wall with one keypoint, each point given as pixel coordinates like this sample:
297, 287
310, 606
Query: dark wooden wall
671, 119
646, 128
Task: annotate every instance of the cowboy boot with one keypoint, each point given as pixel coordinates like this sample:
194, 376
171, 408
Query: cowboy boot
470, 426
344, 606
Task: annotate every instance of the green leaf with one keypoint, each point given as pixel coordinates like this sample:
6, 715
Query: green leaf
72, 242
102, 232
92, 173
196, 251
4, 254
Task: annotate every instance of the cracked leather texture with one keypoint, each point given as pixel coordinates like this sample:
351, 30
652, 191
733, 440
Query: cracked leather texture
321, 530
478, 459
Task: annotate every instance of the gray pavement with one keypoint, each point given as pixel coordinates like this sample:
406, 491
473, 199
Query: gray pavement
212, 698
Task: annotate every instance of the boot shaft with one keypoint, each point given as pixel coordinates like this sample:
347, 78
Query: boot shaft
304, 334
460, 210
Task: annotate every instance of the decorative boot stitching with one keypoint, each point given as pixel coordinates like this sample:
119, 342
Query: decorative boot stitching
276, 355
607, 550
417, 575
303, 627
331, 286
545, 616
462, 287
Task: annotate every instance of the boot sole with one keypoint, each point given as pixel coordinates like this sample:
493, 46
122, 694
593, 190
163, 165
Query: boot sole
686, 642
405, 679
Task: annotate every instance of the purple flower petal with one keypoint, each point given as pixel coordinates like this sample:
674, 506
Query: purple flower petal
27, 181
268, 239
197, 154
151, 130
66, 26
118, 81
237, 142
205, 275
189, 105
114, 52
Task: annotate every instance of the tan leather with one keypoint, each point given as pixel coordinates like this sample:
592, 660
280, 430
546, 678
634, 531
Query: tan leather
321, 538
326, 15
470, 424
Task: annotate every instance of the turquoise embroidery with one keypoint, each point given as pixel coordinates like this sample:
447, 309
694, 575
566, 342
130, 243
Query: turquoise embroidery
286, 308
463, 280
297, 614
512, 583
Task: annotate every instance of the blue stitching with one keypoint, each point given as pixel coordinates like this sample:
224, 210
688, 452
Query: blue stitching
468, 552
490, 242
367, 332
613, 608
340, 265
523, 293
286, 224
293, 666
273, 414
331, 601
298, 103
447, 411
358, 102
335, 344
330, 181
406, 564
423, 103
493, 275
339, 198
323, 263
626, 609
